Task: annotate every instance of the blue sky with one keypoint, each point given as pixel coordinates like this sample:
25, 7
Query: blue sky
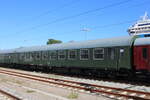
33, 22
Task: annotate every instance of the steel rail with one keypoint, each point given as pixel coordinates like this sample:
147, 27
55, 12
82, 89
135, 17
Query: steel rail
84, 86
9, 95
81, 83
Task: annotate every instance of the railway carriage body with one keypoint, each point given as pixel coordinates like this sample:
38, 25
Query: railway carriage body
142, 54
93, 56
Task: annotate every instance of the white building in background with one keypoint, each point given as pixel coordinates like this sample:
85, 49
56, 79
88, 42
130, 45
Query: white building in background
142, 26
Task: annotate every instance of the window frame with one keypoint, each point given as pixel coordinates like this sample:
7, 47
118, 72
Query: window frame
122, 52
88, 55
33, 55
27, 56
100, 53
45, 55
22, 56
111, 53
38, 56
59, 51
75, 55
51, 57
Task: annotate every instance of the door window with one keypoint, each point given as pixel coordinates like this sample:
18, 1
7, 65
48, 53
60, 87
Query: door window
144, 53
121, 52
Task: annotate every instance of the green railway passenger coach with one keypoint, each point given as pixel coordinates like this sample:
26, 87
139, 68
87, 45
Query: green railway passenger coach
96, 57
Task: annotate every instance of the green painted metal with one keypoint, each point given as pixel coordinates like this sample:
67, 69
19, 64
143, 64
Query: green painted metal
120, 61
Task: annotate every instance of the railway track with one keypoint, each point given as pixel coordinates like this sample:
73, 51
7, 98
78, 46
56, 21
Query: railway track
7, 96
111, 92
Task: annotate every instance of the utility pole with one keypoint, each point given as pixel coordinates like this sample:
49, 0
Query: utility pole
85, 30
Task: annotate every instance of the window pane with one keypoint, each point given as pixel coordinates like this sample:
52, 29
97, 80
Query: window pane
33, 55
61, 55
111, 53
72, 54
144, 53
84, 54
53, 55
122, 52
98, 53
38, 56
45, 55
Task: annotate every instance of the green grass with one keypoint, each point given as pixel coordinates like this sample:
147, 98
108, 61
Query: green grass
73, 95
30, 91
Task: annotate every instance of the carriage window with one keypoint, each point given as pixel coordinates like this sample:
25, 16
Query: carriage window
84, 54
122, 52
98, 54
144, 52
111, 53
45, 55
38, 56
53, 55
27, 56
9, 57
22, 56
32, 55
61, 55
72, 54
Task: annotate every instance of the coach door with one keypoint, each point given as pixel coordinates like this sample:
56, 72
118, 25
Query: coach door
121, 58
141, 58
124, 58
148, 57
112, 58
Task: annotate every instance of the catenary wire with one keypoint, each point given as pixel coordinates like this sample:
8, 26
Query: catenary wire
95, 27
74, 16
58, 8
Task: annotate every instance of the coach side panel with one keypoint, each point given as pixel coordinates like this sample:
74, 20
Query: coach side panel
99, 58
142, 58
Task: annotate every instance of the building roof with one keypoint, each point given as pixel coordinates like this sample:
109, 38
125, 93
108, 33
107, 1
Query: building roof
109, 42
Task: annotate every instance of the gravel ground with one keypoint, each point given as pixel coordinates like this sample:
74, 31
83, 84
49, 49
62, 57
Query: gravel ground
4, 97
104, 83
33, 90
